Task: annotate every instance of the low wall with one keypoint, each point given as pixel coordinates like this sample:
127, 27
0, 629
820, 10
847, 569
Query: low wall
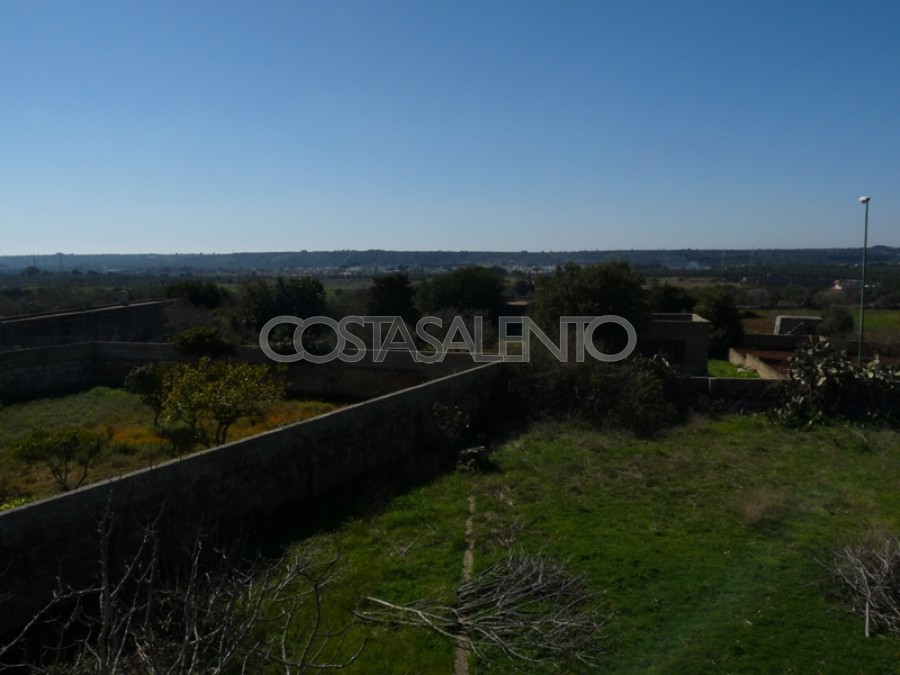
740, 357
737, 388
234, 484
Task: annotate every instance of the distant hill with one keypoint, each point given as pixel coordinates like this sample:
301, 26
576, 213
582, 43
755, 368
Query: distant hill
366, 262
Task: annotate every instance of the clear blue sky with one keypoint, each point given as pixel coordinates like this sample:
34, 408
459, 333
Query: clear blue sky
187, 126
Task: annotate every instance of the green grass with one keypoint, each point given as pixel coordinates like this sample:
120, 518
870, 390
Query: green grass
721, 368
704, 544
883, 323
879, 319
695, 584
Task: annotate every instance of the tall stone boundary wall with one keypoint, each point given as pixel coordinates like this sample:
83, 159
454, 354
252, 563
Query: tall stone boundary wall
236, 484
46, 371
138, 322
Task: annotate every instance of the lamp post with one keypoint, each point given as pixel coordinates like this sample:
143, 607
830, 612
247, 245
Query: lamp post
862, 290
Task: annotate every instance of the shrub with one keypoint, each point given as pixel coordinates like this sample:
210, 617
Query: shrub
823, 385
199, 293
838, 322
641, 394
202, 341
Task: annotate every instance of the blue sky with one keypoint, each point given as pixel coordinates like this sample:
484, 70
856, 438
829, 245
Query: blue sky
191, 126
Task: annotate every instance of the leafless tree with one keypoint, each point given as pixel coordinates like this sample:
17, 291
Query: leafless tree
216, 617
527, 607
869, 579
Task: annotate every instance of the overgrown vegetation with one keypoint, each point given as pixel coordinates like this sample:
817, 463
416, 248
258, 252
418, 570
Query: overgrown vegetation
197, 403
203, 340
135, 442
825, 385
639, 394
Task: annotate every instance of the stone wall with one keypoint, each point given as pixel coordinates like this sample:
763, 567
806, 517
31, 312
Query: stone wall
138, 322
46, 371
229, 486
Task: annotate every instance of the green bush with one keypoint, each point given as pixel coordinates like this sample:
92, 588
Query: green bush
202, 341
641, 394
824, 385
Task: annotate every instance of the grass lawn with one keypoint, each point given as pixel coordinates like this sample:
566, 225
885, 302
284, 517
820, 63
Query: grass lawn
704, 544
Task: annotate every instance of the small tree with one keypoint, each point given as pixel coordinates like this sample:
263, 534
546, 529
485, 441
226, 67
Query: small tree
838, 322
717, 306
147, 382
203, 400
472, 288
392, 295
69, 453
668, 298
199, 293
610, 288
262, 300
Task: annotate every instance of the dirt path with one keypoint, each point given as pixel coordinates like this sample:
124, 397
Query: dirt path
461, 664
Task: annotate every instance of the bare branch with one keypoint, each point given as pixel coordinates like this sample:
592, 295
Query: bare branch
869, 580
217, 616
526, 607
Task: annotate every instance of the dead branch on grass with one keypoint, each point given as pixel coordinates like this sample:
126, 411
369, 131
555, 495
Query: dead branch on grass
869, 578
526, 607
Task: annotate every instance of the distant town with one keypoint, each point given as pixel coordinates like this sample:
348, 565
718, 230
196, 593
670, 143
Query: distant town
365, 264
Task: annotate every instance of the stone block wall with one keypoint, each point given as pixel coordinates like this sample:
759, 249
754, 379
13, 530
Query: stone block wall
47, 371
138, 322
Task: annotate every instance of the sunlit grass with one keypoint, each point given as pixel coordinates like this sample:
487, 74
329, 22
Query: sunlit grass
721, 368
703, 544
134, 443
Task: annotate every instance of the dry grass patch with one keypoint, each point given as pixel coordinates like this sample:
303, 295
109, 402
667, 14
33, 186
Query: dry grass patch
760, 507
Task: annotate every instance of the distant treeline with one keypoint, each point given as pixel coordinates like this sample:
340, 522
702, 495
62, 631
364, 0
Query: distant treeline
663, 262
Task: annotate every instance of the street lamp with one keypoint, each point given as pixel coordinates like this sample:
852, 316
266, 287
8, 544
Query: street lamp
862, 290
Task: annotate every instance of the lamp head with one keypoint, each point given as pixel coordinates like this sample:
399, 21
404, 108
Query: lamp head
863, 200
